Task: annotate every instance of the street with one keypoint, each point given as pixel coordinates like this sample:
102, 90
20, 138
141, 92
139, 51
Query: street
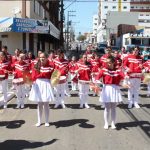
76, 129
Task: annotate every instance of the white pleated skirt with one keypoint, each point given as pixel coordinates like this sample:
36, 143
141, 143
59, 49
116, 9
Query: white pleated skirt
41, 91
110, 93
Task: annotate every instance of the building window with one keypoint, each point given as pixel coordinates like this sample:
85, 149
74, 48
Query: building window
114, 0
141, 15
124, 0
132, 7
147, 14
106, 7
114, 7
125, 7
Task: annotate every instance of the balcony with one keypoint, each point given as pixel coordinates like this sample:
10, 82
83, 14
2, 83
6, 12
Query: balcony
140, 2
139, 10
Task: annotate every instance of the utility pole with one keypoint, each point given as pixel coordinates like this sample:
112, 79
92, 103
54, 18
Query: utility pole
68, 15
61, 23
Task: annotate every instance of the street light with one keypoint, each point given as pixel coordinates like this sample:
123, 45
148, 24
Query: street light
68, 15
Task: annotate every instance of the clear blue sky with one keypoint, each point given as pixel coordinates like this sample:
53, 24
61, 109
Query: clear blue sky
84, 13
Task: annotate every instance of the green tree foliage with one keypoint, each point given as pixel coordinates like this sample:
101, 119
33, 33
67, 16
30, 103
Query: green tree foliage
81, 38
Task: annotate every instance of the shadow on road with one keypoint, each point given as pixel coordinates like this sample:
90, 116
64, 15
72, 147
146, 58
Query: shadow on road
66, 123
23, 144
144, 125
12, 124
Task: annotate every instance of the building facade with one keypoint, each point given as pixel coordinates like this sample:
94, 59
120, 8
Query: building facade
24, 14
105, 6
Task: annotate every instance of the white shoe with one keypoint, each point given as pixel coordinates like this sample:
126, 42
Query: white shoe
46, 124
38, 124
87, 106
63, 105
22, 106
136, 105
56, 105
106, 126
18, 106
81, 106
130, 105
69, 95
5, 106
113, 126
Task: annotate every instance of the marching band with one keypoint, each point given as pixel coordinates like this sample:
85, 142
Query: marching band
47, 78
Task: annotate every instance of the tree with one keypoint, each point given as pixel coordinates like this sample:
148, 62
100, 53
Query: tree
81, 38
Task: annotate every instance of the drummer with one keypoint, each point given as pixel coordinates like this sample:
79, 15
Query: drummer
72, 69
61, 64
146, 66
84, 75
133, 66
4, 69
20, 68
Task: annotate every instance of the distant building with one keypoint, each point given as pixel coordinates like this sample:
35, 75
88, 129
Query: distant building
142, 7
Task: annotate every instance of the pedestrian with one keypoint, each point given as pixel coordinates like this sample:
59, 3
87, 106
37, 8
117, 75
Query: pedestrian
41, 91
110, 94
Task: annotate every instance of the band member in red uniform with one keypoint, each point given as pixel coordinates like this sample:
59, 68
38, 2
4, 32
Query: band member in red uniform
103, 59
95, 68
110, 94
133, 66
84, 75
61, 64
15, 57
41, 91
118, 59
8, 56
146, 66
4, 69
72, 69
21, 67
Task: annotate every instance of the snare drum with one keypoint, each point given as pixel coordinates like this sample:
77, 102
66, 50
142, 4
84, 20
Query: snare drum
18, 81
62, 79
2, 77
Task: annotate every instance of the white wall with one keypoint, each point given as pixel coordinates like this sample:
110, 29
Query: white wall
13, 41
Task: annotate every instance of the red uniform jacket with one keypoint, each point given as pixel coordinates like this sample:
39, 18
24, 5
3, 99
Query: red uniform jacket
20, 69
4, 67
62, 66
146, 66
45, 72
109, 76
84, 72
132, 63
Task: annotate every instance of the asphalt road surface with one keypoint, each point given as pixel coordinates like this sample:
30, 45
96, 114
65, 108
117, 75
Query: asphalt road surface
76, 129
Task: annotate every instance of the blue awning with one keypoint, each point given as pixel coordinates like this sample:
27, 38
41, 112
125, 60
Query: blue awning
26, 25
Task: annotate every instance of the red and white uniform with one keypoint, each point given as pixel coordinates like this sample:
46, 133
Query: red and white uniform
111, 80
72, 70
62, 66
41, 90
9, 57
103, 60
146, 66
4, 67
84, 76
60, 89
19, 69
133, 64
14, 60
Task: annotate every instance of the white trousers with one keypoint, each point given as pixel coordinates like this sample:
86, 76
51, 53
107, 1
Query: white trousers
20, 93
59, 90
74, 85
4, 85
133, 91
83, 93
148, 88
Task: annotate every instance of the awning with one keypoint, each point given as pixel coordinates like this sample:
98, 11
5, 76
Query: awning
26, 25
